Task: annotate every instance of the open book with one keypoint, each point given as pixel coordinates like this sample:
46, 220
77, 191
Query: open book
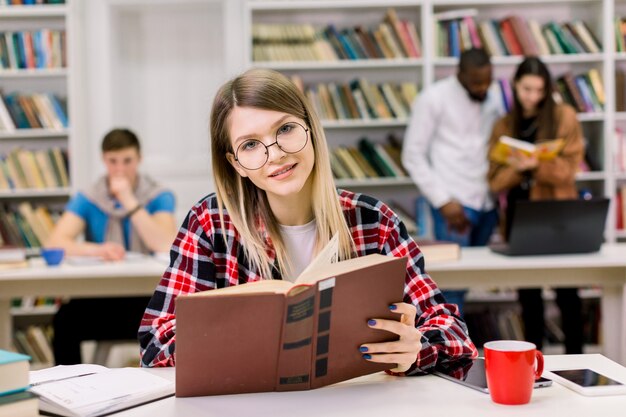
275, 335
545, 150
93, 390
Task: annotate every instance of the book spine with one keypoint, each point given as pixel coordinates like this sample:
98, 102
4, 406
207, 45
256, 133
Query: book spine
294, 359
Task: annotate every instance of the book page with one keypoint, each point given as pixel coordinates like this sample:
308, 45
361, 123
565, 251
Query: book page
59, 372
102, 392
328, 255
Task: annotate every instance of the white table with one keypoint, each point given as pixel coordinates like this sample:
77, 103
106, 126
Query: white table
481, 268
477, 268
383, 395
130, 278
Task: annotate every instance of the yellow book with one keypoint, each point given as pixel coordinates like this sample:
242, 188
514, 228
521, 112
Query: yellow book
506, 145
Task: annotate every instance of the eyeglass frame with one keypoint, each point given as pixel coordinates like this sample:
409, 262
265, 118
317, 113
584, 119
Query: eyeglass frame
267, 147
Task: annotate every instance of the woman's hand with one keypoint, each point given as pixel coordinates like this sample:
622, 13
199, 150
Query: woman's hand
402, 352
523, 162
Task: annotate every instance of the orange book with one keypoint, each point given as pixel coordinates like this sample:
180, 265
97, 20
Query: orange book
506, 146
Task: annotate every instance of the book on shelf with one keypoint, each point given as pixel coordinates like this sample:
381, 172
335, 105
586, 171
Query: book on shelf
391, 38
457, 30
438, 250
13, 372
507, 146
308, 332
93, 390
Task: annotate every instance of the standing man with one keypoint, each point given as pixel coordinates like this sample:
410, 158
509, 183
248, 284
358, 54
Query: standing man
445, 152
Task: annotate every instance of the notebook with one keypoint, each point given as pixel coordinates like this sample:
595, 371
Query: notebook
556, 227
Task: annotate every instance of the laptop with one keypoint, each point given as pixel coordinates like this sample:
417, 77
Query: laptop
556, 227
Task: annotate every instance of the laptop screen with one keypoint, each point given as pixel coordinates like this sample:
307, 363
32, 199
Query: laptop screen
558, 226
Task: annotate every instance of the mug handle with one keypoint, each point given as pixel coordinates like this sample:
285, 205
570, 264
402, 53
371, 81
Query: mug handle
539, 370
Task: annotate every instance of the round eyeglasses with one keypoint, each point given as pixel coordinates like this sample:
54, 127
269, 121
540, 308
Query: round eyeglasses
290, 138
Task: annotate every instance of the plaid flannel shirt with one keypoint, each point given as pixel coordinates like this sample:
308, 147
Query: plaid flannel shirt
201, 260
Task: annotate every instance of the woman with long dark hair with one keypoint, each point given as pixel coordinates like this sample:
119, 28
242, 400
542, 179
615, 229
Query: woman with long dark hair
535, 118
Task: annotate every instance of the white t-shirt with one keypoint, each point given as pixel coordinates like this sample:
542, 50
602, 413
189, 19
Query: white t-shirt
445, 144
300, 244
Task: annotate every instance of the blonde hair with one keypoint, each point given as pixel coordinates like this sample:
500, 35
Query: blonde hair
247, 204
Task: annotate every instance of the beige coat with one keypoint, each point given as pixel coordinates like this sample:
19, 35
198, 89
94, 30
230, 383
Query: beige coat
554, 179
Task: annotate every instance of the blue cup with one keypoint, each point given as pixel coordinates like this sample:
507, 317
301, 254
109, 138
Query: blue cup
52, 256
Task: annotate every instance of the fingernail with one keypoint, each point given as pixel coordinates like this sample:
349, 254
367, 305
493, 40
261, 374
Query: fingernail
367, 356
371, 322
393, 307
363, 349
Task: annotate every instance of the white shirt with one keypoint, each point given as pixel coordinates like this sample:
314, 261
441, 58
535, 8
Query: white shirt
300, 243
445, 145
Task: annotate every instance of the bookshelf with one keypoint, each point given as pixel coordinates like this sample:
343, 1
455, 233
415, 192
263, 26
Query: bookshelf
604, 179
52, 74
35, 71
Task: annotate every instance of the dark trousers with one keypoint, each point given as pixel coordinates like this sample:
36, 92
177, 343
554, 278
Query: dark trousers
569, 303
94, 319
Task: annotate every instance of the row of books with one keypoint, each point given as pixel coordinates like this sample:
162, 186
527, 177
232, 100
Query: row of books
34, 169
15, 400
392, 38
32, 111
620, 150
512, 35
37, 49
360, 99
620, 208
584, 92
29, 2
25, 226
368, 160
36, 342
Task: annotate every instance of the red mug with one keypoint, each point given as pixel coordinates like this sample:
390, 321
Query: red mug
511, 370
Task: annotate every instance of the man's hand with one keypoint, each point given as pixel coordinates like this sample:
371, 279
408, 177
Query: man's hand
455, 216
121, 188
110, 251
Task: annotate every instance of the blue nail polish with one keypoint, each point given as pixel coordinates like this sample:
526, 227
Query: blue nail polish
363, 349
393, 307
371, 322
367, 356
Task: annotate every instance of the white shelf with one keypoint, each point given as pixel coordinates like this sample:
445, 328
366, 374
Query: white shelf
52, 10
591, 176
35, 193
620, 234
45, 310
33, 73
361, 123
34, 133
620, 116
346, 64
620, 175
516, 59
507, 3
374, 182
330, 4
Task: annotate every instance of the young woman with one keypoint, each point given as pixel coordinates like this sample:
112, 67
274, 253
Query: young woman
275, 206
536, 117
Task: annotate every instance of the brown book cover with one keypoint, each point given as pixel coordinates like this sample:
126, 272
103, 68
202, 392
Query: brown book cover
277, 335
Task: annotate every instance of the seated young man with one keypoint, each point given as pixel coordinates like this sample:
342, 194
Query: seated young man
123, 211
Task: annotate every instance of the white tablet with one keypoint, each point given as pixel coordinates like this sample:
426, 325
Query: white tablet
587, 382
472, 375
